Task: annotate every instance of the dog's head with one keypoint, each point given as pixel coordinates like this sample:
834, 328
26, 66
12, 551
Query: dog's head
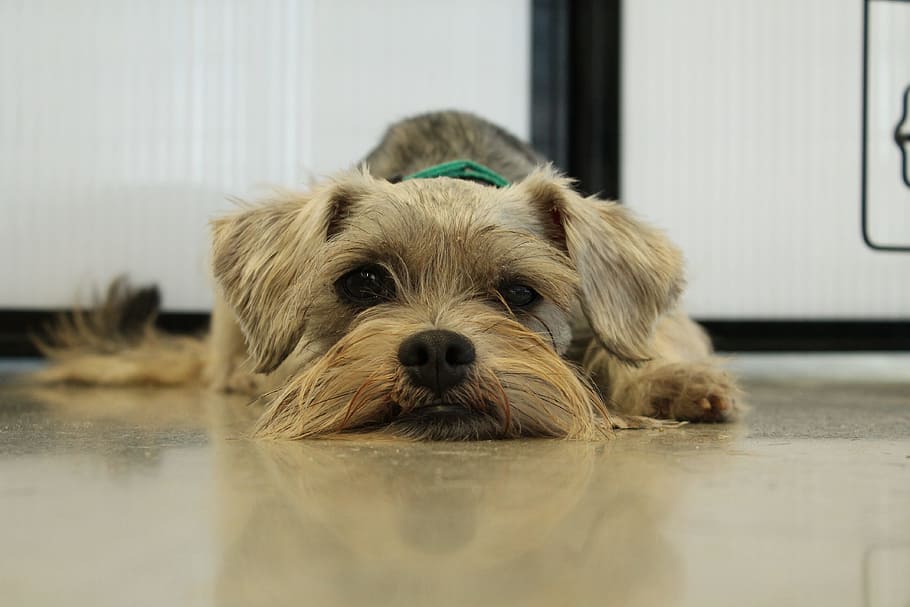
440, 308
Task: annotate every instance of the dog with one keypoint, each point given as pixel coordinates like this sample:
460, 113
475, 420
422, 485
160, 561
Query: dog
390, 301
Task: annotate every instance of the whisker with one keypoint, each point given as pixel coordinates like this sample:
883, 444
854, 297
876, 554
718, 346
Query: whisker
538, 411
546, 328
546, 399
351, 344
331, 398
356, 402
352, 407
490, 328
264, 395
505, 404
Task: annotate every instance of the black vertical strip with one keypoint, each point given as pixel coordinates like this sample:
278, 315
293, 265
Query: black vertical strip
550, 80
595, 59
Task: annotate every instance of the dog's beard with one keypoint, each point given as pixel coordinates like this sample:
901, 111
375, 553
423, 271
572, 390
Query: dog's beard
518, 387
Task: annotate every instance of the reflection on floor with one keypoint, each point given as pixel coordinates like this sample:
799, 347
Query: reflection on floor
115, 497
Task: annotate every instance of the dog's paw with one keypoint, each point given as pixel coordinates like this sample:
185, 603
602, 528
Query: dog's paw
241, 382
711, 408
694, 393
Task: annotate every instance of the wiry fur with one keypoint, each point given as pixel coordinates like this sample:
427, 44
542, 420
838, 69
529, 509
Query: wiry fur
520, 388
607, 281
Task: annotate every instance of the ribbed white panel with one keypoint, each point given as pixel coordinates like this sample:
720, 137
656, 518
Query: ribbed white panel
742, 136
125, 125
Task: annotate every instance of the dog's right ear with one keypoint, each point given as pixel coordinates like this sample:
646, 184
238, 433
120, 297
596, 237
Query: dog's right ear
262, 259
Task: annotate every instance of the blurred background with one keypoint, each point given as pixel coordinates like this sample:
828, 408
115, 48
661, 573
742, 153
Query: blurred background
770, 139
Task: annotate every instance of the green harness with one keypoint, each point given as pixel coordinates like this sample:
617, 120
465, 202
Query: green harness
462, 169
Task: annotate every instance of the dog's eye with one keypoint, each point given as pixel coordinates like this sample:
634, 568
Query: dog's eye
518, 296
367, 285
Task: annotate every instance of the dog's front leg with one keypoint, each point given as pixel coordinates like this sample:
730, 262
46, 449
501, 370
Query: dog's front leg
682, 381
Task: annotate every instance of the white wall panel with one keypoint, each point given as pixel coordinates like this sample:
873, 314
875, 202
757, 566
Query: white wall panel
742, 137
125, 125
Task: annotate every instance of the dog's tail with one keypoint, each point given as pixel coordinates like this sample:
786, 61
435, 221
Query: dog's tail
115, 343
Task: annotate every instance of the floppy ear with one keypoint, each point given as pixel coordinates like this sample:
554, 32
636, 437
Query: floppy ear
262, 259
629, 272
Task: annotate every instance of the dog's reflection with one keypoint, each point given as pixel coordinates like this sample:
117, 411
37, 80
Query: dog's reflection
543, 522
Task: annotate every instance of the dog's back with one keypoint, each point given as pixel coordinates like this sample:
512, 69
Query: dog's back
437, 137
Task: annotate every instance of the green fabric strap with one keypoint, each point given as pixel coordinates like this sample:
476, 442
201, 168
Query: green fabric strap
461, 169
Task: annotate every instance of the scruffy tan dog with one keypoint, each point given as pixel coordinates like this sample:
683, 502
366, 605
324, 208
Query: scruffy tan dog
431, 308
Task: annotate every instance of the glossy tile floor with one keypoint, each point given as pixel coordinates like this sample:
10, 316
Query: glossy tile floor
157, 498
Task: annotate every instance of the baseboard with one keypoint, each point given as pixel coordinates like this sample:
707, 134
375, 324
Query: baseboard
19, 327
809, 335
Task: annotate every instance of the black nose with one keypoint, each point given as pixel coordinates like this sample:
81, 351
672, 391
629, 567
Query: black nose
438, 360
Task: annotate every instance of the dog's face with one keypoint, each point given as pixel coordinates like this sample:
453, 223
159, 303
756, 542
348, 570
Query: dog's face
439, 308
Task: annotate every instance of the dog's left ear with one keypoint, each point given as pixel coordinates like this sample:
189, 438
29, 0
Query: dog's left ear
629, 272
